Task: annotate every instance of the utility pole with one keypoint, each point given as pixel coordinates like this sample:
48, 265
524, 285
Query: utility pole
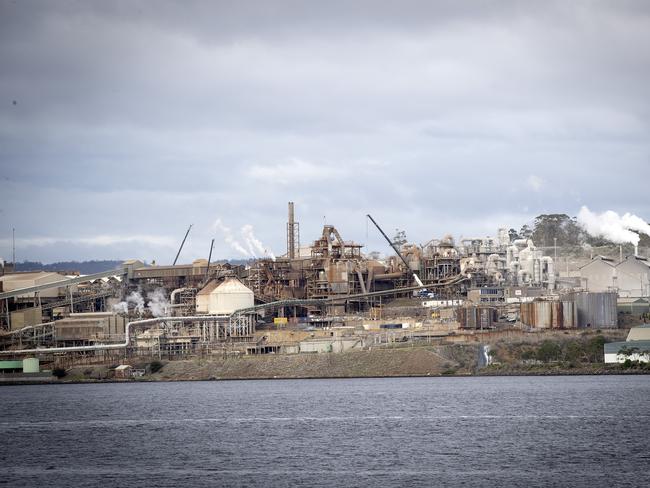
13, 249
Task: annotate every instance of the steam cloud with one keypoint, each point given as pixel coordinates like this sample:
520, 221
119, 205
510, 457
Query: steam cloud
228, 237
157, 303
255, 246
134, 300
252, 247
612, 226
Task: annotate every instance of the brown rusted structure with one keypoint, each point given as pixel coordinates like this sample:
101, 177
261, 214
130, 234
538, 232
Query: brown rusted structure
549, 314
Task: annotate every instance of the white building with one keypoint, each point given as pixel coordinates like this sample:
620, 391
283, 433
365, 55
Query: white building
633, 277
635, 348
598, 275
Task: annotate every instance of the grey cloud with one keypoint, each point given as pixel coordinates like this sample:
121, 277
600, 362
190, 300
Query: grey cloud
139, 118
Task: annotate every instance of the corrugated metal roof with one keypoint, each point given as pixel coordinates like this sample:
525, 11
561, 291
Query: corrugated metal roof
628, 300
615, 347
641, 333
30, 275
599, 259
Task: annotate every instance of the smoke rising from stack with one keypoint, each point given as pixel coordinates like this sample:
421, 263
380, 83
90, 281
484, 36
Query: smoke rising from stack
612, 226
229, 238
250, 247
255, 246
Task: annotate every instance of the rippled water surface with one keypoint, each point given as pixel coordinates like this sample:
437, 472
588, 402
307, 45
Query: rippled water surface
520, 431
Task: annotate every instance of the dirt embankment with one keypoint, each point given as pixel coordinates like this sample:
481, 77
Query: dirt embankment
395, 362
549, 353
405, 361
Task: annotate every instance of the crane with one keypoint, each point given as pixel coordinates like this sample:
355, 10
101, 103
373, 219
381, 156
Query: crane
182, 244
415, 276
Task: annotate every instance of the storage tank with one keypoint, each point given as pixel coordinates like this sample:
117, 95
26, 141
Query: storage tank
31, 365
229, 296
569, 315
597, 310
537, 314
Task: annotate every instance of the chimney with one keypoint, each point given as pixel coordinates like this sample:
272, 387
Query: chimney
620, 253
293, 235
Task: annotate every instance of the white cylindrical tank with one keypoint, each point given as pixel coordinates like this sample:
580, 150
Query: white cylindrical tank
229, 296
31, 365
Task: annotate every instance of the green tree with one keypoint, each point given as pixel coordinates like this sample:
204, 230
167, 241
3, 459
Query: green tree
547, 227
627, 352
548, 351
573, 351
595, 351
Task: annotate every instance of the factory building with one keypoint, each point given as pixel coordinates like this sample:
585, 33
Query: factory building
598, 275
633, 277
630, 277
85, 327
5, 267
16, 281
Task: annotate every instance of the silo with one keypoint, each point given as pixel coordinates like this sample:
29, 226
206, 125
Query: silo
229, 296
569, 314
544, 314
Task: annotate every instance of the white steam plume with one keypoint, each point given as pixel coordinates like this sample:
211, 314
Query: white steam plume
255, 246
612, 226
134, 300
121, 307
158, 303
137, 301
228, 237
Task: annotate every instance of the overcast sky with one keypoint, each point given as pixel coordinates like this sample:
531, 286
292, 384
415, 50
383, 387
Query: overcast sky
121, 123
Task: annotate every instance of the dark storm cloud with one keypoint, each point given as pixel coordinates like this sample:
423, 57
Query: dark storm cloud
138, 118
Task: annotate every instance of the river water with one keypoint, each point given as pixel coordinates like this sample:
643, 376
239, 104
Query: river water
494, 431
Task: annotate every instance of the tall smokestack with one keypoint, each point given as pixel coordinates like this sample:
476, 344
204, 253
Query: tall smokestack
293, 234
620, 253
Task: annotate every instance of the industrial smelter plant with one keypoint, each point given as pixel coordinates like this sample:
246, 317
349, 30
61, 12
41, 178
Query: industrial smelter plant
332, 295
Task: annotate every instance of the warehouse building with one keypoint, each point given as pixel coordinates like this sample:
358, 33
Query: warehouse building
633, 277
